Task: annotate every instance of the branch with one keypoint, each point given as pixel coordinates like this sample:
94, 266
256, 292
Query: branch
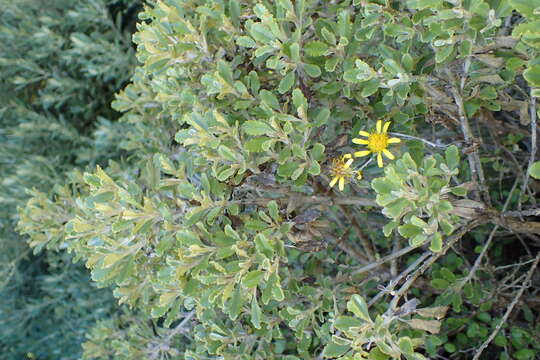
327, 200
385, 259
530, 212
164, 345
434, 257
349, 250
524, 285
477, 172
533, 149
488, 242
392, 283
429, 143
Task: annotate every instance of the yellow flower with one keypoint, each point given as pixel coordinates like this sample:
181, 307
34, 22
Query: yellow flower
377, 142
341, 170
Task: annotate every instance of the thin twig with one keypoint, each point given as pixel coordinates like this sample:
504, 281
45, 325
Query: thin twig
478, 260
393, 262
345, 247
393, 283
477, 172
410, 137
533, 150
434, 257
385, 259
364, 240
180, 327
524, 286
164, 345
530, 212
328, 200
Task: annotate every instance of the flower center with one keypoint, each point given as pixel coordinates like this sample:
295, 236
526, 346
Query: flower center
338, 169
377, 142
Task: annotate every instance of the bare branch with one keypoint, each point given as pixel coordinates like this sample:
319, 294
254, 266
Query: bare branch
533, 150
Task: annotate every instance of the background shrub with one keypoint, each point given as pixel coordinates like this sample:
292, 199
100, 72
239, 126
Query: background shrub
60, 64
222, 229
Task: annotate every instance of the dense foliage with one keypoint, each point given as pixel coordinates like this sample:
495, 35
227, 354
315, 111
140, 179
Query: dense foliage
225, 233
60, 64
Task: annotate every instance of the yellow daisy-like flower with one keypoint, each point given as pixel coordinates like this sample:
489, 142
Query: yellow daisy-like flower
377, 142
341, 170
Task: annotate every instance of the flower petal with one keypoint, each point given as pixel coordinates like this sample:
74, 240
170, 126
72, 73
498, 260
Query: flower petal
388, 154
362, 153
394, 140
379, 159
348, 163
347, 156
386, 126
359, 175
360, 141
379, 126
334, 181
341, 183
363, 133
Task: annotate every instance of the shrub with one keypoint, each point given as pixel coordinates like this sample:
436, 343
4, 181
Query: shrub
60, 64
225, 231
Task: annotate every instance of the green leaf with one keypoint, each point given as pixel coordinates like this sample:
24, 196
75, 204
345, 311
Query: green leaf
362, 72
287, 170
295, 52
256, 144
534, 171
256, 127
260, 33
92, 180
452, 157
269, 99
330, 64
328, 36
524, 354
332, 350
230, 232
382, 185
459, 191
312, 70
440, 284
443, 53
322, 116
246, 41
299, 99
286, 83
532, 75
273, 209
235, 303
234, 11
195, 216
526, 7
256, 313
277, 291
405, 345
409, 230
388, 228
396, 208
226, 173
358, 306
371, 87
253, 278
315, 48
344, 323
226, 153
436, 243
377, 354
